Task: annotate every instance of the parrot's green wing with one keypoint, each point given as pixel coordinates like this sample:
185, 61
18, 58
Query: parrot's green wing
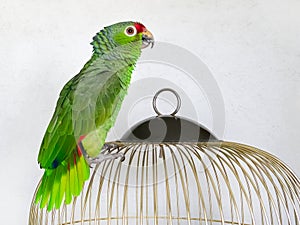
60, 131
88, 101
65, 168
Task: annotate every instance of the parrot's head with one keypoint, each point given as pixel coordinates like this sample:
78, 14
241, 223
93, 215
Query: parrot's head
132, 34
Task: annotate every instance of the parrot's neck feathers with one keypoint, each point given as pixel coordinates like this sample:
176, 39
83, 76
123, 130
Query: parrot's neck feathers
101, 44
105, 47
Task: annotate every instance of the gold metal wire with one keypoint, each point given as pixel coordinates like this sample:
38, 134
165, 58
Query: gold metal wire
184, 183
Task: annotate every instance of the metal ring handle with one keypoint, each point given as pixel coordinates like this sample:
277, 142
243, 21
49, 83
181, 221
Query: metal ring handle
176, 95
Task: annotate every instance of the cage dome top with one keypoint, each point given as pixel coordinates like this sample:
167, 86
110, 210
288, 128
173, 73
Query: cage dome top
168, 128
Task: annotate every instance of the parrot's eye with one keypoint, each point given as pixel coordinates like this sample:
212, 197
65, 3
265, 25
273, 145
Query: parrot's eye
130, 31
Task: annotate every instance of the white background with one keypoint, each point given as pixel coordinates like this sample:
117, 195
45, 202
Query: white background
251, 47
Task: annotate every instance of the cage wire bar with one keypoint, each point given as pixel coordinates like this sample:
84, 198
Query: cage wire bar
183, 183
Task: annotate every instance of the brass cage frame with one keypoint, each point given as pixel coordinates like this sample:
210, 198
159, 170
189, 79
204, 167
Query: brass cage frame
184, 183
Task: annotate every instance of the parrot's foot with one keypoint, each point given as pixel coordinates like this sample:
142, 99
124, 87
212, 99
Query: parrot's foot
109, 146
106, 153
103, 157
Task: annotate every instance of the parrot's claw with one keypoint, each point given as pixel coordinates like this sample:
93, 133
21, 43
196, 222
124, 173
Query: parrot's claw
106, 153
122, 156
103, 157
109, 146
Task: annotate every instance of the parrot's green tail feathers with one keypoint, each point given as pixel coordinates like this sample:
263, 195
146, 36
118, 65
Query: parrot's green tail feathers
63, 182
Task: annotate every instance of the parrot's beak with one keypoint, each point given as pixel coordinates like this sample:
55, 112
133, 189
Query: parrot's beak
147, 39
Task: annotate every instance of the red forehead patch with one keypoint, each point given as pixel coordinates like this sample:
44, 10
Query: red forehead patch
139, 27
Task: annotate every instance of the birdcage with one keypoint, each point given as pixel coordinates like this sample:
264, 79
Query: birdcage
176, 172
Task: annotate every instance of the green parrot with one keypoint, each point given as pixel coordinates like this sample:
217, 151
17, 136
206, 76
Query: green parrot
85, 111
